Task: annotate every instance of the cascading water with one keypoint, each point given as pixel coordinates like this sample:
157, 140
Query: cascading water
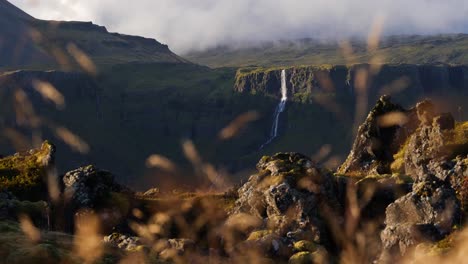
279, 109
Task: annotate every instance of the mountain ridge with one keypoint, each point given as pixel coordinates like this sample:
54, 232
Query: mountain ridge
398, 49
43, 44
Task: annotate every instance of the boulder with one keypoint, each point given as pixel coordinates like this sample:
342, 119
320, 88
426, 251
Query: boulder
288, 193
427, 214
87, 187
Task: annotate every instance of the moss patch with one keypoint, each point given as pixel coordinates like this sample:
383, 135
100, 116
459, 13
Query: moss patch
304, 257
259, 234
304, 245
23, 174
457, 139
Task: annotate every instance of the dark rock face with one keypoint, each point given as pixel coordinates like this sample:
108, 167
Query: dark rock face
425, 79
427, 214
85, 187
303, 80
288, 193
377, 140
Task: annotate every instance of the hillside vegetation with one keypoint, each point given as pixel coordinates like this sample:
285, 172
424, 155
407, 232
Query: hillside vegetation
449, 48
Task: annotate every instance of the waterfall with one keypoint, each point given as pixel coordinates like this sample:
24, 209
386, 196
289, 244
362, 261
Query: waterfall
279, 109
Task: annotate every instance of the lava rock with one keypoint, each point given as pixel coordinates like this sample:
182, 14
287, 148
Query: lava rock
86, 186
124, 242
377, 141
428, 213
288, 193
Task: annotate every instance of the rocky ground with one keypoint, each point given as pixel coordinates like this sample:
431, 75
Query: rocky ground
400, 196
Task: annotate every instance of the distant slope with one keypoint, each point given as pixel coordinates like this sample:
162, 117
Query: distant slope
449, 48
45, 44
16, 44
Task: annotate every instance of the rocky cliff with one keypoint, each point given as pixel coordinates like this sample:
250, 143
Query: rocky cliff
421, 80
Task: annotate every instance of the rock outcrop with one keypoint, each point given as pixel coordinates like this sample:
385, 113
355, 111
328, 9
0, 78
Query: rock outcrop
288, 193
25, 174
87, 187
435, 158
427, 214
428, 147
386, 128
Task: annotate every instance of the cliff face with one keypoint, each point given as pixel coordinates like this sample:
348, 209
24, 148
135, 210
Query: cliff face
310, 80
133, 111
29, 114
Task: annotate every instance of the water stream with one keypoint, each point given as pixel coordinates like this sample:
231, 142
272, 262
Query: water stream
279, 109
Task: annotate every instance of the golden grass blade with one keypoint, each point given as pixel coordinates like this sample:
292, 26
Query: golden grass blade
49, 92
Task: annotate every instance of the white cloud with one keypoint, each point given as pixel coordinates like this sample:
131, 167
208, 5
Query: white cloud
198, 24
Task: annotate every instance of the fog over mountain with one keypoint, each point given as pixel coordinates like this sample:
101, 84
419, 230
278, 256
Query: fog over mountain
194, 25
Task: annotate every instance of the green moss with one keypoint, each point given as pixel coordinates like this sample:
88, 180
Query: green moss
457, 139
23, 174
304, 245
259, 234
402, 178
439, 248
398, 164
304, 257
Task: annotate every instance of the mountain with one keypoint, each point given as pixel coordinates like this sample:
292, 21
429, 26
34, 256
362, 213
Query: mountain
405, 49
145, 100
16, 43
29, 42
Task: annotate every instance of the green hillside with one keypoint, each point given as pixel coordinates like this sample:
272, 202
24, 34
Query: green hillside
452, 49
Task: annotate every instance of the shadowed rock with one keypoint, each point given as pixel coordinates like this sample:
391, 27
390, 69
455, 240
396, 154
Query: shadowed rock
377, 141
85, 187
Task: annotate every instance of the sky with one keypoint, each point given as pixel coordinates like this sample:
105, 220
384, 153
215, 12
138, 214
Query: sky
187, 25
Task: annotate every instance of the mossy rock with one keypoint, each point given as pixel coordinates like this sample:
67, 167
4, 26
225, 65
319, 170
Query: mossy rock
304, 245
24, 174
259, 234
304, 257
398, 164
439, 248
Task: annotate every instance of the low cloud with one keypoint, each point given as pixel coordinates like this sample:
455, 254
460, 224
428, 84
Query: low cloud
187, 25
